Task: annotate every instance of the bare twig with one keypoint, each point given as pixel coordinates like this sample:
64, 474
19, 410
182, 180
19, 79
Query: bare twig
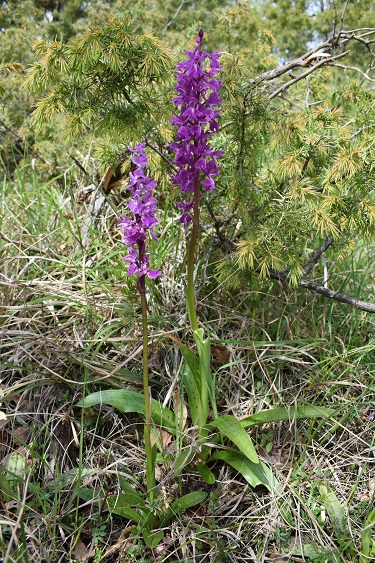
317, 254
362, 129
81, 167
321, 50
283, 276
22, 140
345, 67
155, 149
219, 224
171, 21
334, 19
343, 16
323, 62
302, 61
338, 296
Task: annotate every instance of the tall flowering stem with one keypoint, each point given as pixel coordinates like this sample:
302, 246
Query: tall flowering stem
135, 228
198, 102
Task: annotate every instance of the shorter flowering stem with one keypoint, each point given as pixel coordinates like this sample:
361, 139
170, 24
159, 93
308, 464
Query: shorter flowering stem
150, 469
143, 207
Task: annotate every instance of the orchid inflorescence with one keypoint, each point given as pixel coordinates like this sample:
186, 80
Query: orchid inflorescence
198, 100
143, 207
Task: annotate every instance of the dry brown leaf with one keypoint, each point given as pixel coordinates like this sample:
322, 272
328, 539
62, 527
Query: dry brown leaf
275, 558
81, 552
221, 354
163, 437
369, 493
121, 543
166, 439
276, 456
21, 434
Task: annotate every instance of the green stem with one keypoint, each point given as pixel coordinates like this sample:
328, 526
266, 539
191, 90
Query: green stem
190, 294
150, 473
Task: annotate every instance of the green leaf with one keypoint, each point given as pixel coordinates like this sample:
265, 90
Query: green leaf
128, 490
191, 381
193, 393
182, 504
126, 400
205, 377
125, 485
190, 358
282, 413
204, 353
124, 504
184, 458
152, 538
16, 467
368, 543
196, 377
89, 494
206, 473
313, 552
334, 510
254, 473
230, 427
126, 512
5, 488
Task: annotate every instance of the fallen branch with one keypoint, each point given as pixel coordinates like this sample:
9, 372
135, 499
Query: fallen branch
338, 296
330, 293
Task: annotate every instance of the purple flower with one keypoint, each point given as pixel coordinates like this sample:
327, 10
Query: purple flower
197, 100
143, 207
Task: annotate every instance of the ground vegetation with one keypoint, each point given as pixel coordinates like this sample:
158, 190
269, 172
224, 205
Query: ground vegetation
283, 279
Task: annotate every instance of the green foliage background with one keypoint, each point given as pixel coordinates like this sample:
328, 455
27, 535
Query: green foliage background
298, 166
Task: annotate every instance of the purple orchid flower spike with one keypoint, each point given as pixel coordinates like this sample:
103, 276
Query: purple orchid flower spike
198, 102
135, 228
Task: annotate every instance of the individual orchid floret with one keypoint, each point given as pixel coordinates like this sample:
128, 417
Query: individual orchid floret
198, 102
143, 207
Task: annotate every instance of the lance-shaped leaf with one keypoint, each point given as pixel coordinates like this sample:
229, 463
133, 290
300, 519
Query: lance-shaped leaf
126, 400
282, 413
181, 505
254, 473
230, 427
335, 511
